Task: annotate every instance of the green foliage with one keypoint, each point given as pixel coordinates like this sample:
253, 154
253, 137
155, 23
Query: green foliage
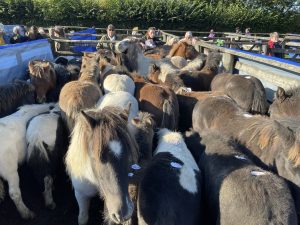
222, 15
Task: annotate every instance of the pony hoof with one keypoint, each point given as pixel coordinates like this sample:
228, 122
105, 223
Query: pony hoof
28, 215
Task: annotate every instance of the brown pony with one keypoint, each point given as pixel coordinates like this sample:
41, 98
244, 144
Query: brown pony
247, 91
184, 50
43, 77
48, 79
81, 94
178, 79
271, 144
187, 101
286, 103
160, 101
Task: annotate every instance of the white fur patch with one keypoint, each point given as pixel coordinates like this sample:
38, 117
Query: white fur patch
247, 115
115, 147
258, 173
240, 157
247, 77
176, 165
173, 143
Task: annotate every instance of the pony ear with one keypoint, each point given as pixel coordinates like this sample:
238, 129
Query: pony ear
88, 118
280, 94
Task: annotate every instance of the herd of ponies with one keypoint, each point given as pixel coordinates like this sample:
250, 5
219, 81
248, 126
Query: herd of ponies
162, 140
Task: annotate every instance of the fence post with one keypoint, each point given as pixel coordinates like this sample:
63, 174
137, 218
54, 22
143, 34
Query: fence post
228, 61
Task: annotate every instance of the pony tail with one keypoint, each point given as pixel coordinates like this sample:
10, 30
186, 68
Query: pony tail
168, 119
2, 190
259, 103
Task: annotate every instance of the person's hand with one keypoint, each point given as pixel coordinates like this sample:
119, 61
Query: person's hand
143, 45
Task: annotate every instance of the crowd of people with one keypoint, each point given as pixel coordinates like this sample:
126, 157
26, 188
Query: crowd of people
21, 34
148, 41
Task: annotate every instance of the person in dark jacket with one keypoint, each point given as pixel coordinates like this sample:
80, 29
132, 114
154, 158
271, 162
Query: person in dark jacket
17, 36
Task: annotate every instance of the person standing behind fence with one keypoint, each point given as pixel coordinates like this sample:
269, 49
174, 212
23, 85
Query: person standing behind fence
150, 41
274, 43
33, 34
17, 36
247, 32
110, 36
211, 34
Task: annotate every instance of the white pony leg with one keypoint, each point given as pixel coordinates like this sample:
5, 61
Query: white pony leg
15, 194
48, 183
84, 205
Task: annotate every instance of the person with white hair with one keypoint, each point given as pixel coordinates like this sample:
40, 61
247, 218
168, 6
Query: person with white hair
17, 36
188, 38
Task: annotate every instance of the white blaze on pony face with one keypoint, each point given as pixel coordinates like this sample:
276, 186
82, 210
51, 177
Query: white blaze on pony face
173, 143
116, 148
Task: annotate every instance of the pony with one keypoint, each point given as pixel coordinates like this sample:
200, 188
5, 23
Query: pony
285, 103
15, 94
118, 82
184, 50
187, 101
121, 99
48, 79
13, 150
178, 79
158, 100
195, 64
247, 91
170, 188
271, 144
237, 192
80, 94
98, 159
179, 61
47, 141
132, 56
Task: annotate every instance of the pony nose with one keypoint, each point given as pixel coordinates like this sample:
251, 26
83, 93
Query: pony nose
41, 99
124, 214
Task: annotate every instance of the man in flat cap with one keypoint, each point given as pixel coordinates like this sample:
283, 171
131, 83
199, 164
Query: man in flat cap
110, 36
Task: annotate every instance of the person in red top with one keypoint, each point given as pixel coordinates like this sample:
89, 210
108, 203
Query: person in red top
274, 43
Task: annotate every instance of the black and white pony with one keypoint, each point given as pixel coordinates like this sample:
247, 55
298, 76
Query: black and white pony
170, 189
98, 162
13, 150
47, 141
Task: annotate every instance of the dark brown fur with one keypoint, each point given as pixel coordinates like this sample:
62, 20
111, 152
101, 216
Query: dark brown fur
160, 101
249, 94
14, 95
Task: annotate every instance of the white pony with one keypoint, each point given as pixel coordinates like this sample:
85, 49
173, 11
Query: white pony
120, 99
118, 82
13, 150
46, 139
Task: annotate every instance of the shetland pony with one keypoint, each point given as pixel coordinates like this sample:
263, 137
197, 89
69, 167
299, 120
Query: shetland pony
13, 150
15, 94
47, 141
247, 91
48, 79
98, 160
270, 143
132, 56
81, 94
286, 103
187, 101
178, 79
184, 50
237, 192
118, 82
178, 61
195, 64
170, 188
159, 101
121, 99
